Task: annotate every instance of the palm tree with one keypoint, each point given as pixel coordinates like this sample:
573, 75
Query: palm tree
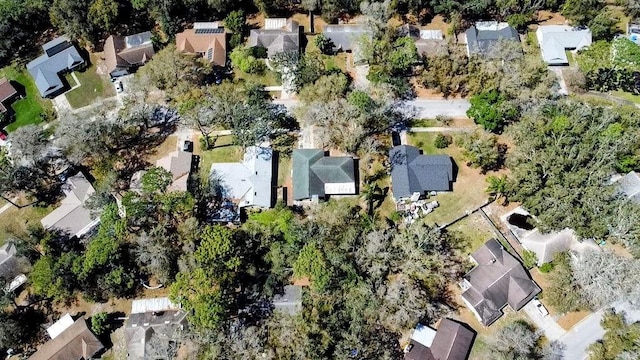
497, 187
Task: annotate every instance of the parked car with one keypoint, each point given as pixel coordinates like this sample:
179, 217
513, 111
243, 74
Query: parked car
188, 146
119, 87
541, 309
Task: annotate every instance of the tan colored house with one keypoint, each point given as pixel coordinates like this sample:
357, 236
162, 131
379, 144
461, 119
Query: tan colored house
75, 342
125, 53
178, 163
207, 39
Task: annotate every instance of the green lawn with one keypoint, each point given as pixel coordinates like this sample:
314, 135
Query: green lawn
92, 87
32, 109
424, 122
268, 78
224, 151
15, 222
569, 54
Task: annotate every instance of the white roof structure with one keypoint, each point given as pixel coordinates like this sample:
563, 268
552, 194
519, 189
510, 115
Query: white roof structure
290, 302
546, 246
423, 335
275, 23
152, 305
59, 326
555, 39
629, 185
431, 34
72, 216
249, 182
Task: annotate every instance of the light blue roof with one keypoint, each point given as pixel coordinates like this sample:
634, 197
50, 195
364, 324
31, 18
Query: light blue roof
58, 57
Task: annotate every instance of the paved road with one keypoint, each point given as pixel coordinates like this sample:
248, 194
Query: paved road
424, 109
588, 331
441, 129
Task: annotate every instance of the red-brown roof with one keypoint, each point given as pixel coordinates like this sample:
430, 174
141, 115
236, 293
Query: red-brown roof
6, 90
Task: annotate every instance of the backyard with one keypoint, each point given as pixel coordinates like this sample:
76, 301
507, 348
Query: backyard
31, 109
468, 189
224, 151
92, 87
16, 222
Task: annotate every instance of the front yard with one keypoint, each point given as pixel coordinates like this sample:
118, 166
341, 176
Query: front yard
32, 109
225, 151
93, 87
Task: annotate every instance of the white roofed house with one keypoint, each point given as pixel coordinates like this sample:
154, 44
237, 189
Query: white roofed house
554, 40
250, 182
72, 216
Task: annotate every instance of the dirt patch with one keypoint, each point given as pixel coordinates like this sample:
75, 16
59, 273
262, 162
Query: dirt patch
569, 320
438, 23
619, 250
303, 20
169, 145
550, 18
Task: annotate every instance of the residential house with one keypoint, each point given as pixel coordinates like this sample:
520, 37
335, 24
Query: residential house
483, 36
629, 186
70, 340
123, 54
278, 36
318, 175
545, 246
250, 182
412, 172
633, 30
452, 341
179, 164
497, 280
153, 329
12, 267
8, 94
290, 301
72, 216
60, 56
207, 39
554, 40
346, 37
428, 42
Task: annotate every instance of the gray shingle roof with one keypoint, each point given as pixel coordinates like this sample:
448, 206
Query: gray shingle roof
452, 341
482, 41
286, 39
313, 173
629, 185
60, 56
498, 280
345, 37
413, 172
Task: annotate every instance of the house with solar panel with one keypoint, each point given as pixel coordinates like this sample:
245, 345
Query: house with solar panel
60, 57
278, 36
316, 175
207, 39
123, 54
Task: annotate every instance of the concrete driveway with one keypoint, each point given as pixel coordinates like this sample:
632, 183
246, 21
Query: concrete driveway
588, 331
429, 109
552, 331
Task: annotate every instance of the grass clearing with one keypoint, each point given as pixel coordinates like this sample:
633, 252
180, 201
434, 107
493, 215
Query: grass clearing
169, 145
474, 230
92, 87
268, 78
468, 189
15, 221
31, 109
225, 151
424, 122
626, 96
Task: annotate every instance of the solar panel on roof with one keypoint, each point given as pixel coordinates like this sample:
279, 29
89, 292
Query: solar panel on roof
58, 48
209, 31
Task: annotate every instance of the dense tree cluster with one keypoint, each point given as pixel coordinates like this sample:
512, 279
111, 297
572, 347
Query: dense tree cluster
620, 341
519, 340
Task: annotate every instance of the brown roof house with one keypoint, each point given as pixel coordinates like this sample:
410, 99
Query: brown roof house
279, 35
207, 39
178, 163
7, 94
498, 280
72, 216
125, 53
69, 341
452, 341
154, 329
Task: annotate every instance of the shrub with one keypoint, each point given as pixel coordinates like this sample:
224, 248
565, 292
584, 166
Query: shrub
259, 52
444, 120
529, 259
99, 323
324, 44
442, 141
546, 267
243, 59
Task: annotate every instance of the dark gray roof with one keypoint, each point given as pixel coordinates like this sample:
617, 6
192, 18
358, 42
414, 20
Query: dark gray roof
285, 39
344, 37
498, 280
148, 334
413, 172
60, 56
482, 41
312, 171
453, 341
